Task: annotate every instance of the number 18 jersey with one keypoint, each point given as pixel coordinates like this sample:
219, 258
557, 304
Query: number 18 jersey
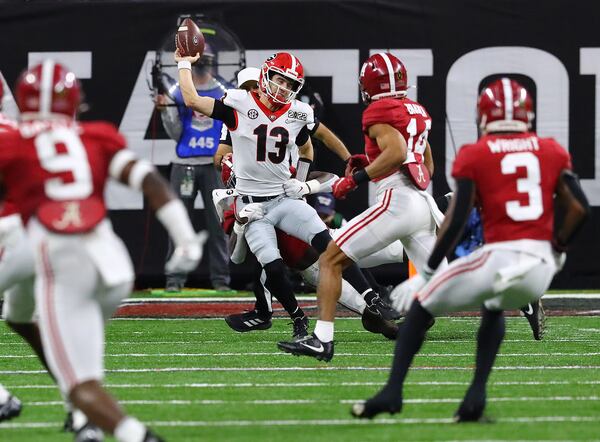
515, 176
262, 141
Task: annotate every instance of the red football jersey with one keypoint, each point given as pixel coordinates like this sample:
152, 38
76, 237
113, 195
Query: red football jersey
515, 177
7, 207
58, 170
408, 117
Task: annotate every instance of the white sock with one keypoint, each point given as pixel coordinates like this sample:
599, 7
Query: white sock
4, 395
79, 419
130, 430
324, 331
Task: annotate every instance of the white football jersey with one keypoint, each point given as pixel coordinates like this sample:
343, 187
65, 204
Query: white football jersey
262, 141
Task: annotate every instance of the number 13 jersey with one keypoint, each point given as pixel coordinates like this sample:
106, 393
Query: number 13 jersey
515, 177
262, 141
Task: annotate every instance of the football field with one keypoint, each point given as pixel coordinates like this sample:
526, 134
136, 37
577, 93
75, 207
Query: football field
195, 380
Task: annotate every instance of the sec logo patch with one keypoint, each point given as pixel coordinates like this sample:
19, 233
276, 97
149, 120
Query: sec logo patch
253, 114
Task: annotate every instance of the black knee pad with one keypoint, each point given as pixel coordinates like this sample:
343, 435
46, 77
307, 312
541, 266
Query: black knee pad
321, 240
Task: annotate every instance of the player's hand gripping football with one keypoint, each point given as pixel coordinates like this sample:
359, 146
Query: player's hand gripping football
296, 189
186, 257
356, 162
192, 59
343, 187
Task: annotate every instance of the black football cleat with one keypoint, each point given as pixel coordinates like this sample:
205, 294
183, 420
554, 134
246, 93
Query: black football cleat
300, 326
89, 433
151, 437
472, 406
535, 315
11, 408
382, 402
387, 312
249, 321
309, 346
373, 321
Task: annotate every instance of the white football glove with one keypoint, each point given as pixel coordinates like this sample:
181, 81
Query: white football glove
296, 189
186, 257
402, 295
251, 212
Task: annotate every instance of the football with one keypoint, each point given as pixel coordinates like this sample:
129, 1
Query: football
189, 39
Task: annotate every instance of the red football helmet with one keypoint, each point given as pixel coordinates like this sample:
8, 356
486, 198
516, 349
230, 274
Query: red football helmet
48, 88
286, 65
382, 76
504, 106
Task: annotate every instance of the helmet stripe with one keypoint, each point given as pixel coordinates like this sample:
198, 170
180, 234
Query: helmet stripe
508, 99
294, 62
46, 87
390, 68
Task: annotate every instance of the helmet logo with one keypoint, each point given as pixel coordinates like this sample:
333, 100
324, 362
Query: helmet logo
253, 114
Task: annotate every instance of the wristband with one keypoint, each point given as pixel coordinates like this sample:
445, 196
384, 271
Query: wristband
302, 169
361, 176
313, 186
184, 64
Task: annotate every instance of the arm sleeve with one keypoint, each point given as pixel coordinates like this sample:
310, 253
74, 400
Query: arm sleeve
225, 136
303, 136
224, 113
312, 127
462, 209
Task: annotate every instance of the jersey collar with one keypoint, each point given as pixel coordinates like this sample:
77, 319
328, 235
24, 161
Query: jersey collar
272, 116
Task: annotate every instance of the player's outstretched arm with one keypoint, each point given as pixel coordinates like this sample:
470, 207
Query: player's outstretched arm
454, 222
170, 211
204, 105
332, 142
393, 150
222, 150
570, 198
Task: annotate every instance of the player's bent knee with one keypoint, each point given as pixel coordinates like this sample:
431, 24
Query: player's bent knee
321, 241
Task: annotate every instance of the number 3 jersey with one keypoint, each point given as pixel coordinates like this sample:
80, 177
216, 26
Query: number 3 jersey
57, 171
515, 176
262, 141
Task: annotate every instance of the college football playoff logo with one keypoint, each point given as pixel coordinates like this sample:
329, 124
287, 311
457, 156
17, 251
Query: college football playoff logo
253, 114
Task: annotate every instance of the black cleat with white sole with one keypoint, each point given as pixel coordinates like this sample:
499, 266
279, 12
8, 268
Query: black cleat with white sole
151, 437
382, 402
11, 408
309, 346
89, 433
535, 315
387, 312
249, 321
300, 328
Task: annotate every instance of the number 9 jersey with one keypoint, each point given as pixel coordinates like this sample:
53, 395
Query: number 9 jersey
262, 141
515, 176
57, 171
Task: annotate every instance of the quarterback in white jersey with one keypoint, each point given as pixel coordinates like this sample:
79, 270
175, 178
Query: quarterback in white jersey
265, 126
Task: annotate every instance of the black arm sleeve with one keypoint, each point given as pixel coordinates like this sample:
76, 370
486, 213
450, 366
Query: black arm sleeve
226, 138
303, 136
462, 209
224, 113
315, 127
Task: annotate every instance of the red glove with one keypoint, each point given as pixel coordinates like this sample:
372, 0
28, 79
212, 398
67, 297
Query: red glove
343, 187
355, 162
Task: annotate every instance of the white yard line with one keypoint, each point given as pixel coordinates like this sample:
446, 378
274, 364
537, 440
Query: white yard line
321, 422
275, 353
322, 401
306, 384
320, 368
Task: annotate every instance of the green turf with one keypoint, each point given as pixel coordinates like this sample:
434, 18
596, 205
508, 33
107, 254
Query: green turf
536, 393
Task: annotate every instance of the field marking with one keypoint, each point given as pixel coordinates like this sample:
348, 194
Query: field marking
321, 422
271, 342
322, 401
278, 353
321, 368
308, 384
